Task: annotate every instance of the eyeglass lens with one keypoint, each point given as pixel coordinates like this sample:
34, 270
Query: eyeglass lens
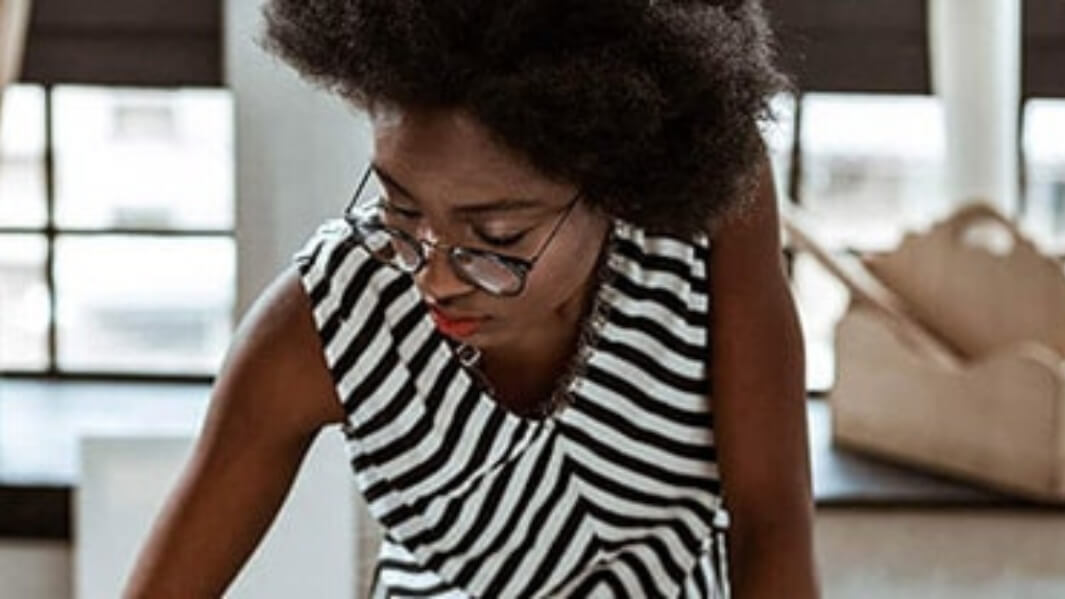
402, 251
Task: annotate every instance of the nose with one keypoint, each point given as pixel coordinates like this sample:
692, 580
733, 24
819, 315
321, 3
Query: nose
438, 278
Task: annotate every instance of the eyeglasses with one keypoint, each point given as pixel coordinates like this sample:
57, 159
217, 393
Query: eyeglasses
494, 273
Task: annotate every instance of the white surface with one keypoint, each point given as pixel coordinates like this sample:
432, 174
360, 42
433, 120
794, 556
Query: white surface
42, 421
32, 569
309, 551
976, 57
864, 554
941, 554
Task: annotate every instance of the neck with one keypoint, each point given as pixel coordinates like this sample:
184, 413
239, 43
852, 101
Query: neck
544, 350
530, 369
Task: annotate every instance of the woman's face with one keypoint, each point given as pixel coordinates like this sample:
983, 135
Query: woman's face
445, 180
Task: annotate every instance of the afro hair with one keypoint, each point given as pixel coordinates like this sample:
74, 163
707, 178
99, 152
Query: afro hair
651, 107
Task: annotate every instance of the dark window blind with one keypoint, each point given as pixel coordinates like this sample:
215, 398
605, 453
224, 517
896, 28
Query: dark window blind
125, 42
882, 45
828, 45
853, 45
1043, 73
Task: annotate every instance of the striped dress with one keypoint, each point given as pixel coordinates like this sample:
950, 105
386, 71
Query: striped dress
615, 495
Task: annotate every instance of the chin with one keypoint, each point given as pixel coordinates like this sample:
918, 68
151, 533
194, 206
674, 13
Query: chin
489, 337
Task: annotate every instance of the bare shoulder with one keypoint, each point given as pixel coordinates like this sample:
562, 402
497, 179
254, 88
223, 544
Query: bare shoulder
276, 361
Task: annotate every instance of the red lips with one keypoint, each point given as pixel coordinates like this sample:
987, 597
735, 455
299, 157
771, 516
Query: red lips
455, 326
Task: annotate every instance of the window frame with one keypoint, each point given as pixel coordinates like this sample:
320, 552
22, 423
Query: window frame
50, 231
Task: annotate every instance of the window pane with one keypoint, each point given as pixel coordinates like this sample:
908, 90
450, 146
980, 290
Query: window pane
872, 165
23, 303
1044, 132
779, 136
821, 301
157, 159
142, 304
22, 195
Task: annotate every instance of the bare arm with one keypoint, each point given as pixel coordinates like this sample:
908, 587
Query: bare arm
759, 400
270, 400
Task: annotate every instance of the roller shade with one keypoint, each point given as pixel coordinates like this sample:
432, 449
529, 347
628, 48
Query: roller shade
125, 42
829, 45
882, 45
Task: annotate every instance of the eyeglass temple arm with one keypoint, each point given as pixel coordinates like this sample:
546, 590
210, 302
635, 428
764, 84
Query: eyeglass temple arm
358, 189
554, 230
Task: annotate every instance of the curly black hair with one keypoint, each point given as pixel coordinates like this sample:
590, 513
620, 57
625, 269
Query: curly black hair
651, 107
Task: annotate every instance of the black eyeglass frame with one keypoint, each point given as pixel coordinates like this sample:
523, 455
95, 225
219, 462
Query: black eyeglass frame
520, 267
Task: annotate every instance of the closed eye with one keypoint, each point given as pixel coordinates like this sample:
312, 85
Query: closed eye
498, 241
501, 241
400, 211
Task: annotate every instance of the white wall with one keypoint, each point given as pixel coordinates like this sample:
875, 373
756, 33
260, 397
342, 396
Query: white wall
299, 151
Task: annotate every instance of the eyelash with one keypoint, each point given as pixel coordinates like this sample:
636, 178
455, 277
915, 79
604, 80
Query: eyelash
501, 241
505, 241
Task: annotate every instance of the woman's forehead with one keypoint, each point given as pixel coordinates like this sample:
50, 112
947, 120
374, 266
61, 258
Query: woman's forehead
477, 202
448, 154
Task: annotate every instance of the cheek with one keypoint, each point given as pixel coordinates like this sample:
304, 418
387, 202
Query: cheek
534, 303
549, 286
562, 273
558, 278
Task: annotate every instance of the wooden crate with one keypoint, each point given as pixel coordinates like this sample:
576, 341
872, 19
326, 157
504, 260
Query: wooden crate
949, 357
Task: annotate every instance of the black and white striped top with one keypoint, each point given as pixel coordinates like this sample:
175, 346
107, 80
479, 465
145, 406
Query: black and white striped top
616, 495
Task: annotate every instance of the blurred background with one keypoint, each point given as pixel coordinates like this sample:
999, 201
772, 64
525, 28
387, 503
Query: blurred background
157, 170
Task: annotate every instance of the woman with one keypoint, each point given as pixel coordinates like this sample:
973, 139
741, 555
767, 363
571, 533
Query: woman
552, 324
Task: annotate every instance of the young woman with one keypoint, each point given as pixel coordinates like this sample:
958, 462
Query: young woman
552, 324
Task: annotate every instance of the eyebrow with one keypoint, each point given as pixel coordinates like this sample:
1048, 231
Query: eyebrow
497, 205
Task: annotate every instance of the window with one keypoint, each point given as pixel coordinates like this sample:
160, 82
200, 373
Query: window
779, 136
871, 167
116, 231
1044, 152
